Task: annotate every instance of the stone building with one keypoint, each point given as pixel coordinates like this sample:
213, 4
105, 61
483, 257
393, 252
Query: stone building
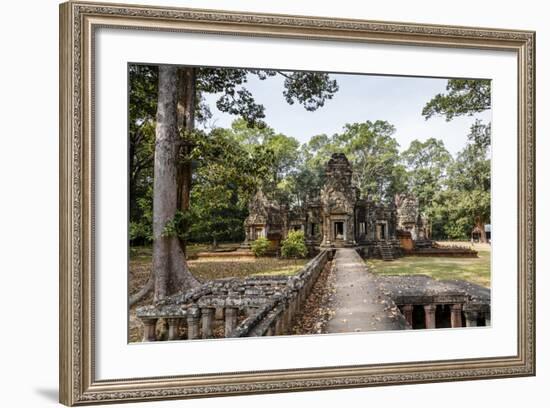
338, 217
266, 219
414, 230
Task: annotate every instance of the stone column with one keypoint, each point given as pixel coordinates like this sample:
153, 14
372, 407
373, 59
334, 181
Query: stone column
429, 311
326, 231
471, 318
193, 323
350, 230
149, 329
456, 315
173, 328
230, 320
408, 313
207, 317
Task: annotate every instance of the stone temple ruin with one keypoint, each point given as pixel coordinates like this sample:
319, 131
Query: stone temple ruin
338, 220
341, 217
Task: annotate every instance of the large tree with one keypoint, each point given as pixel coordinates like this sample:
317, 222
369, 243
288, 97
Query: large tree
427, 164
465, 201
171, 272
227, 174
374, 154
372, 151
179, 104
468, 197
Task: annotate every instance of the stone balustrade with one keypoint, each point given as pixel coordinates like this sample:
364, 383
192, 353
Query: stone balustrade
428, 303
250, 307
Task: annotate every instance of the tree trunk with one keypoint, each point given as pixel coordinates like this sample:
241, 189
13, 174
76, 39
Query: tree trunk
169, 264
481, 226
186, 122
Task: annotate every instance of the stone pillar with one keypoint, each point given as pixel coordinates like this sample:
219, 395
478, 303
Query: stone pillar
207, 317
471, 318
456, 315
230, 320
173, 328
149, 329
326, 231
429, 311
408, 313
193, 323
488, 318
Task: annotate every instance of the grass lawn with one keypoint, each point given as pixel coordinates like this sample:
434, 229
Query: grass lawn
214, 268
475, 270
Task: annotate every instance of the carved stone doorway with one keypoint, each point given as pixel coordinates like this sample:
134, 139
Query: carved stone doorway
339, 231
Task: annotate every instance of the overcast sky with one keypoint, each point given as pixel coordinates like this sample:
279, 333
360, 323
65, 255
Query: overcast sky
398, 100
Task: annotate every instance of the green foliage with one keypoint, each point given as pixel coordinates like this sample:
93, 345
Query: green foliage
229, 165
177, 226
294, 246
463, 97
260, 246
310, 89
225, 177
374, 154
372, 151
141, 125
426, 164
247, 166
466, 198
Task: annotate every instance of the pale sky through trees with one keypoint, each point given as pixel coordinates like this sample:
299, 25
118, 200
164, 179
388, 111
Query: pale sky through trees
398, 100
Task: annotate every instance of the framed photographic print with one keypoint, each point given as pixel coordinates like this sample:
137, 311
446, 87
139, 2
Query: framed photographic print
256, 203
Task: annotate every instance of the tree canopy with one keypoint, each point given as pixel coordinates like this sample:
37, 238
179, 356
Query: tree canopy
463, 97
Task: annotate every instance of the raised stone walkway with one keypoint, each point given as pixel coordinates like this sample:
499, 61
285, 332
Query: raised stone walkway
360, 305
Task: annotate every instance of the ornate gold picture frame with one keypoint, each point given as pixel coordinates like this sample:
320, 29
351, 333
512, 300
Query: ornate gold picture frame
79, 22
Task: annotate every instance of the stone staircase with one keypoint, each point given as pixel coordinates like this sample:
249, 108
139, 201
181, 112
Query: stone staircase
386, 251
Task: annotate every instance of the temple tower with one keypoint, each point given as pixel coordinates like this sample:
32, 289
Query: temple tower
338, 199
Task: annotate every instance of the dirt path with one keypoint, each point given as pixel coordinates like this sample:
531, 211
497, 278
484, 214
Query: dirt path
359, 303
